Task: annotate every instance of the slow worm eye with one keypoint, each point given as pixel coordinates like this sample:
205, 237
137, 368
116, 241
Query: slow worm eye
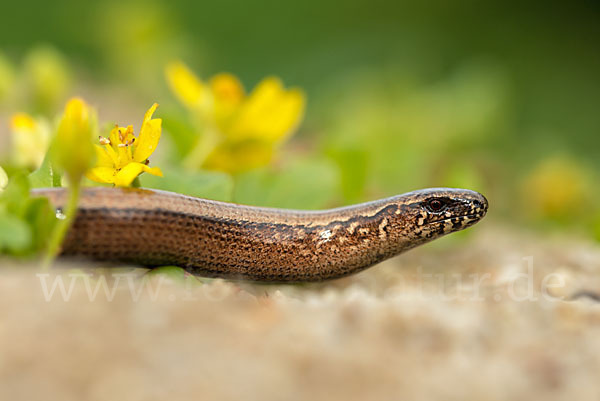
435, 205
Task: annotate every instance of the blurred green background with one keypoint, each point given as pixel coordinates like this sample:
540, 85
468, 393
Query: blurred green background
499, 96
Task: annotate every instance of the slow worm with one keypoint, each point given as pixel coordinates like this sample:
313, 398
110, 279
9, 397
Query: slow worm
217, 239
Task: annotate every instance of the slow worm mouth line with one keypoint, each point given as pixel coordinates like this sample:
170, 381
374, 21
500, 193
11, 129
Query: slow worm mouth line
469, 216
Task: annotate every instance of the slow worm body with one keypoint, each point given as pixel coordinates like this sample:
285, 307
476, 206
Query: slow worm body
217, 239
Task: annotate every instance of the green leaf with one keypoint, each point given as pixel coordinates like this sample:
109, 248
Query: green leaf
15, 195
42, 218
202, 184
182, 133
353, 165
171, 272
3, 179
306, 184
45, 176
461, 174
25, 222
15, 234
595, 226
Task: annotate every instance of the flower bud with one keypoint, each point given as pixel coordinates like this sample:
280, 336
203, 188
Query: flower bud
72, 148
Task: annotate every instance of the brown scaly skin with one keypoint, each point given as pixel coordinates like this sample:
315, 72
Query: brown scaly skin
216, 239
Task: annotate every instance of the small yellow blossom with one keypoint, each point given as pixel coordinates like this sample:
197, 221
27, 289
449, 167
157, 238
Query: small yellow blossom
72, 149
30, 140
47, 77
122, 157
556, 188
3, 179
240, 131
187, 87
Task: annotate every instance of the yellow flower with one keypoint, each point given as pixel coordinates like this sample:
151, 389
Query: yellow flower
122, 157
186, 86
47, 76
3, 179
30, 140
71, 148
240, 131
557, 188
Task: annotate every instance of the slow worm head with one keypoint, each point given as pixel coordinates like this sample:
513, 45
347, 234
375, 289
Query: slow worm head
217, 239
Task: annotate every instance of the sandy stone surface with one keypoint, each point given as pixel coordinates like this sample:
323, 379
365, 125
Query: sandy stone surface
495, 316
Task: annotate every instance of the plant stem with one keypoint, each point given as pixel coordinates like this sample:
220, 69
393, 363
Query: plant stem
60, 229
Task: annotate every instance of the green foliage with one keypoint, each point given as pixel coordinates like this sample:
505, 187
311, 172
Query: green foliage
25, 221
596, 226
47, 78
174, 273
185, 137
177, 275
300, 184
353, 164
15, 234
203, 184
45, 176
7, 77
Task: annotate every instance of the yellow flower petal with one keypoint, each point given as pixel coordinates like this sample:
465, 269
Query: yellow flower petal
72, 148
114, 156
153, 170
557, 188
184, 84
270, 113
235, 158
22, 121
103, 159
114, 135
227, 88
120, 139
125, 177
77, 111
30, 139
149, 136
256, 107
285, 116
101, 174
228, 94
148, 115
128, 173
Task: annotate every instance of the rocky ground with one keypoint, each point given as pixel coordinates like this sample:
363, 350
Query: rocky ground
499, 315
